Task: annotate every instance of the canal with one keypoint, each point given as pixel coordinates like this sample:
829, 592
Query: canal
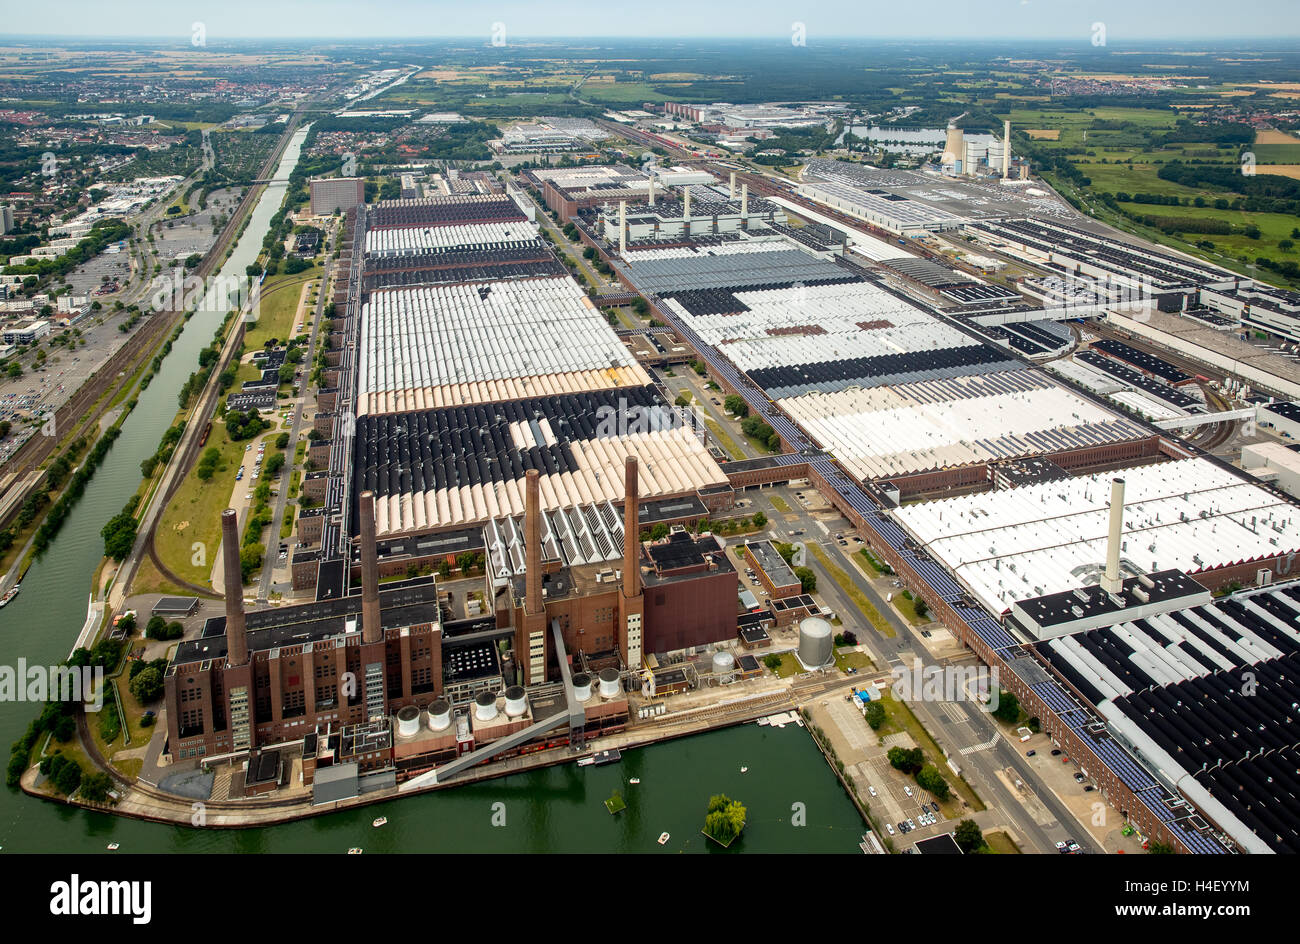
556, 809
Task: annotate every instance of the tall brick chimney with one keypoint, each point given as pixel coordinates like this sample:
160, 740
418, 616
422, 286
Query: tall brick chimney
631, 530
533, 540
236, 630
372, 629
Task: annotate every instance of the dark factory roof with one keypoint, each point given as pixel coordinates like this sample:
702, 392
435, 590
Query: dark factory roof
883, 368
1068, 606
1143, 361
1288, 411
413, 603
461, 446
460, 211
1137, 379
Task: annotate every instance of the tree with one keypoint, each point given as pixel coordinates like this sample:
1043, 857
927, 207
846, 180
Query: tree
807, 579
908, 760
5, 427
969, 836
274, 464
147, 686
127, 623
772, 661
1008, 709
929, 778
68, 776
724, 820
96, 786
736, 405
659, 532
875, 714
282, 441
119, 536
250, 560
683, 399
154, 628
759, 519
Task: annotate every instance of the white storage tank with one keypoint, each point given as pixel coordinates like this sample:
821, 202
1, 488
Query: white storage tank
485, 706
516, 703
816, 643
724, 665
408, 722
609, 687
582, 686
439, 715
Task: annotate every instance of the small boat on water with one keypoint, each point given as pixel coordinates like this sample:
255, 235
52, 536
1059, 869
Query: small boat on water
381, 821
112, 847
663, 839
13, 592
601, 758
355, 850
744, 770
635, 780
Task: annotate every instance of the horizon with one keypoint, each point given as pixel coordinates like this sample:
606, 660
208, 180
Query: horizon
829, 20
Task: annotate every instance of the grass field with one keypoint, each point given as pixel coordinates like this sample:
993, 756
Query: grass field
278, 308
899, 718
845, 582
1001, 843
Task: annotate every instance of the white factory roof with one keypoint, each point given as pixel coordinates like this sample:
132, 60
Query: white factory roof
759, 337
408, 239
1012, 545
450, 344
671, 462
903, 428
1147, 405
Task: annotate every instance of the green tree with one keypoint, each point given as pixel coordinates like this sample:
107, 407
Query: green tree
772, 661
725, 819
807, 579
875, 715
736, 405
147, 686
908, 760
119, 536
96, 786
659, 532
759, 519
929, 778
1008, 709
969, 836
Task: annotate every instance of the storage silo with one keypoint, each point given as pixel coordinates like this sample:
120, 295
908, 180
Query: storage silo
408, 722
609, 687
485, 706
440, 715
816, 643
582, 686
516, 703
724, 665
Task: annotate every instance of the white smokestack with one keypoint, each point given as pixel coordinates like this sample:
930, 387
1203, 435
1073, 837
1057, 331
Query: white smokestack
1006, 149
622, 227
732, 195
652, 189
1110, 581
686, 210
744, 205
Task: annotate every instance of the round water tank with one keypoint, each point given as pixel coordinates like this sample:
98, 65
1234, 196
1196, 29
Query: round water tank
408, 721
582, 686
516, 703
609, 687
439, 715
816, 643
724, 665
485, 706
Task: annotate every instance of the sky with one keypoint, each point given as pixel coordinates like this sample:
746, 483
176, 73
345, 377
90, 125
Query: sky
1131, 20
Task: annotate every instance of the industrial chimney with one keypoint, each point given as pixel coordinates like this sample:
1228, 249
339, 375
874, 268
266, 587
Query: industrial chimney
686, 210
533, 540
371, 622
631, 530
1006, 149
652, 189
1110, 581
236, 633
744, 205
732, 195
622, 227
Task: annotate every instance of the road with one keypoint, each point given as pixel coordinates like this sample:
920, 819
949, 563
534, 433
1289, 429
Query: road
959, 724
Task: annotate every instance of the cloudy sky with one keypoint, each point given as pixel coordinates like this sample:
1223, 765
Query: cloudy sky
723, 19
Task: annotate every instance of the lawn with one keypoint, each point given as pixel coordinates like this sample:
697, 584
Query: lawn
728, 445
874, 565
869, 612
846, 659
194, 514
1000, 842
906, 604
779, 503
278, 308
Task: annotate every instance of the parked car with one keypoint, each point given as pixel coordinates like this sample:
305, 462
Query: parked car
1030, 753
889, 829
908, 791
871, 790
